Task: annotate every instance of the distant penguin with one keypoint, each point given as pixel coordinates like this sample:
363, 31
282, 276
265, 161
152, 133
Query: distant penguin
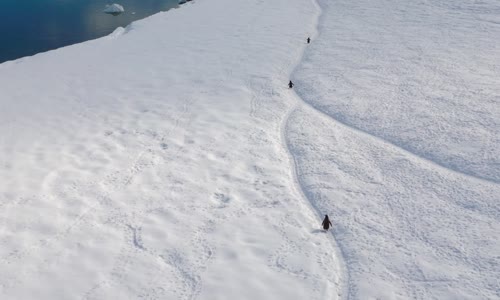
326, 223
308, 40
290, 84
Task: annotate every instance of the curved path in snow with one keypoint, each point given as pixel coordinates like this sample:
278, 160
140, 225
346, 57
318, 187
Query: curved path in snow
344, 290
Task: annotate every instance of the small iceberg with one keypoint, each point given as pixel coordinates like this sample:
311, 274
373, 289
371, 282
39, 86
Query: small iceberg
114, 9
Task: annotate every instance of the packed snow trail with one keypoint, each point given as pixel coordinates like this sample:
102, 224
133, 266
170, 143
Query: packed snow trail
408, 228
150, 164
344, 290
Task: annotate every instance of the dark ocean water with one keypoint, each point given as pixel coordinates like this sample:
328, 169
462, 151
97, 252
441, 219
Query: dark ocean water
28, 27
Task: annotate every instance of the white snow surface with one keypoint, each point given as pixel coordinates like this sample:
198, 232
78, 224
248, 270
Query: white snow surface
169, 160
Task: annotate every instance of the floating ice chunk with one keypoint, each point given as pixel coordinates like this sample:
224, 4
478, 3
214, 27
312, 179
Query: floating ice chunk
114, 9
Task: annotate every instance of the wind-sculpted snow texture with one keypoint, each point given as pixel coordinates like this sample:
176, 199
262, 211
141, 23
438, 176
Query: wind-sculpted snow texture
169, 160
423, 75
398, 139
150, 165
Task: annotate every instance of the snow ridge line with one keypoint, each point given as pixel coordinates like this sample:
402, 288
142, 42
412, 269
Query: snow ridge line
385, 141
400, 148
345, 289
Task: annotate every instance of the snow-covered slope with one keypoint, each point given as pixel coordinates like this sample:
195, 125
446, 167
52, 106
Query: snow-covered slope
149, 164
423, 75
406, 95
169, 160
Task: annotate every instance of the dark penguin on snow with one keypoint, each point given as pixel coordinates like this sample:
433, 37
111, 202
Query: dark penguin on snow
290, 84
326, 223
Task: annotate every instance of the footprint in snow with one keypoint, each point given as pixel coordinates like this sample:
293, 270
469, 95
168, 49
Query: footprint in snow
222, 199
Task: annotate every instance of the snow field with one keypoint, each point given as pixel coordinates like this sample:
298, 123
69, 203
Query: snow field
397, 140
170, 161
407, 230
423, 75
149, 164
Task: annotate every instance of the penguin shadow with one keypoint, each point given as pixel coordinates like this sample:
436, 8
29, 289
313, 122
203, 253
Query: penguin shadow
318, 231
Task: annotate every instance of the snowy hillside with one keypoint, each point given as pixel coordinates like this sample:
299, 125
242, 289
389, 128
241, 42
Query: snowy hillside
407, 96
419, 74
170, 160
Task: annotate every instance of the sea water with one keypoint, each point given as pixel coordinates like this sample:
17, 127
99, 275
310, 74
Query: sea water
28, 27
